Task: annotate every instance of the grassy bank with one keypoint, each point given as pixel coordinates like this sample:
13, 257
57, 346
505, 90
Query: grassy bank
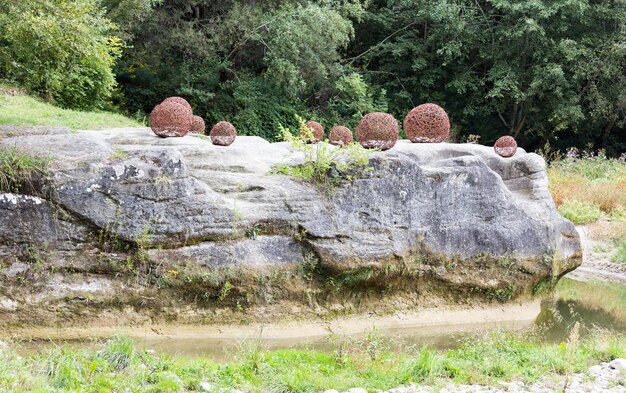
592, 190
589, 187
117, 365
23, 110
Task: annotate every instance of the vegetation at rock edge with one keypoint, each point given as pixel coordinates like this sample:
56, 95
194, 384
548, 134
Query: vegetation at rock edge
372, 362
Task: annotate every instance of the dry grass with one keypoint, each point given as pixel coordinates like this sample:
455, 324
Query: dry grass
607, 230
564, 186
590, 181
608, 195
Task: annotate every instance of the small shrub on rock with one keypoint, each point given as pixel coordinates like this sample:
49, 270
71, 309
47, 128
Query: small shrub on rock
340, 136
319, 159
427, 123
170, 119
223, 134
377, 131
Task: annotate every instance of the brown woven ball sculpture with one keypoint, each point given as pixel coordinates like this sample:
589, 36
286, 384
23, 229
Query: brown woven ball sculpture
318, 131
179, 100
170, 119
340, 136
427, 123
505, 146
377, 130
197, 125
223, 133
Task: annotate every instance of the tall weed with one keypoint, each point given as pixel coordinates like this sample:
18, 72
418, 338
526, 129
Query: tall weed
588, 183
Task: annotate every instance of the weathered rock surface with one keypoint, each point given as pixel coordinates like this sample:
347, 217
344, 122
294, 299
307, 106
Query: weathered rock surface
151, 222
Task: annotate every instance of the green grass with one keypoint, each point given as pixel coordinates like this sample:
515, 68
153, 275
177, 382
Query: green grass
22, 172
118, 365
22, 110
580, 213
620, 254
584, 187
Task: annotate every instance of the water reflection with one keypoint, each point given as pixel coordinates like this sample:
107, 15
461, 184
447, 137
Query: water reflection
437, 337
594, 305
558, 317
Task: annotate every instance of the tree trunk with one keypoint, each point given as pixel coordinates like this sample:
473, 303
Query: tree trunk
604, 136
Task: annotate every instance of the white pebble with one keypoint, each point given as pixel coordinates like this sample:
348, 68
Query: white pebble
618, 364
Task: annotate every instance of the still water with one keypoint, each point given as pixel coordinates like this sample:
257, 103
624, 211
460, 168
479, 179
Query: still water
594, 305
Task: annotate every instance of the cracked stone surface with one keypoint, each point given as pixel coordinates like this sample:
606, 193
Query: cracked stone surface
184, 198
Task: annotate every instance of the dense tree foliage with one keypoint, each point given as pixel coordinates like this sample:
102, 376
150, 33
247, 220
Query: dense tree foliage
255, 64
545, 71
60, 49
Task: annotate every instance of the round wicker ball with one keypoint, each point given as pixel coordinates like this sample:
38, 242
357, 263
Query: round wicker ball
197, 125
223, 133
340, 136
377, 130
427, 123
170, 119
505, 146
318, 131
179, 100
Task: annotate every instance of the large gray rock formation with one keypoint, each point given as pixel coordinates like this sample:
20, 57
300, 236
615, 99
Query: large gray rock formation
180, 228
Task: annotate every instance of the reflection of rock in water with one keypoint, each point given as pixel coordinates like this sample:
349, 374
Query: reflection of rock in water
557, 318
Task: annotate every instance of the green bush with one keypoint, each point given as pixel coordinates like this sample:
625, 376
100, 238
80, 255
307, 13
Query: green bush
593, 167
59, 49
579, 212
355, 98
321, 157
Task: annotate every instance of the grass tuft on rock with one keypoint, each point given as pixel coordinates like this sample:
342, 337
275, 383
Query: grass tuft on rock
22, 172
321, 158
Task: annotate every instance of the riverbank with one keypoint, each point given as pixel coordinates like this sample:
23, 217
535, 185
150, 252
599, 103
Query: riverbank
372, 363
535, 356
452, 319
604, 252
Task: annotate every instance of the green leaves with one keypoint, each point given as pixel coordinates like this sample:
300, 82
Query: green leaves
544, 71
303, 44
60, 49
534, 69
